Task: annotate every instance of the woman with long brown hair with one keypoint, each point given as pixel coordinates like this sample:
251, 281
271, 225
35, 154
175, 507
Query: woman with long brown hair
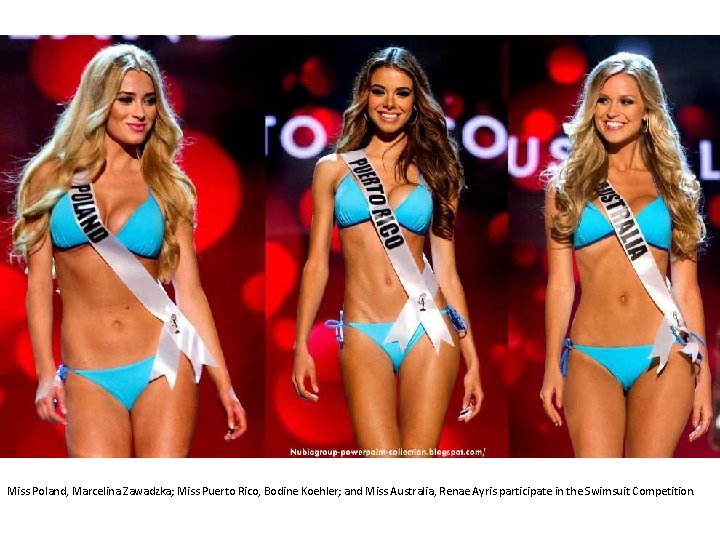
394, 180
627, 205
104, 207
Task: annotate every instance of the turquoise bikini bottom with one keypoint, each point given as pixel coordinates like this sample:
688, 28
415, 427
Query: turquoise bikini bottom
378, 332
626, 364
124, 383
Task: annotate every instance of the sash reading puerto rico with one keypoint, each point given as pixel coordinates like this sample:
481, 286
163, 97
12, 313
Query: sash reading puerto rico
420, 287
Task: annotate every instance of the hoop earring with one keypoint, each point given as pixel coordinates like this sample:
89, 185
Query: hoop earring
413, 119
645, 126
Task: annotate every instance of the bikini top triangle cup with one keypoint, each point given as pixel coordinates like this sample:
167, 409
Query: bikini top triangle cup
414, 213
653, 220
142, 233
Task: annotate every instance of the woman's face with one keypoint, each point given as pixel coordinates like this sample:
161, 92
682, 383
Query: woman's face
620, 110
133, 112
391, 99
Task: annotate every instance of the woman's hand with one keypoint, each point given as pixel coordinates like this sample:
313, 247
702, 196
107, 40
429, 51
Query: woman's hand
552, 389
304, 367
236, 420
473, 394
702, 411
50, 399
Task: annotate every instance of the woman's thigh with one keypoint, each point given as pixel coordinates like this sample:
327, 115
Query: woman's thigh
98, 425
658, 408
369, 384
426, 384
163, 419
594, 406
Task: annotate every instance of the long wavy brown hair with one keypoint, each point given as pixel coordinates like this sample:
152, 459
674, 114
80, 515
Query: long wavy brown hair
77, 146
576, 179
429, 146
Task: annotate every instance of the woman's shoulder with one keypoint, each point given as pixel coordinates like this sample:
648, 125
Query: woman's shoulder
332, 161
329, 169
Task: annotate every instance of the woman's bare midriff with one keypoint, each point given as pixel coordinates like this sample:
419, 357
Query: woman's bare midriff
103, 324
373, 292
614, 308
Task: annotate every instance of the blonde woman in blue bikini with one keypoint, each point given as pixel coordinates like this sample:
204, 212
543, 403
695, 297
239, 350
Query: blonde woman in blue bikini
409, 168
104, 207
626, 204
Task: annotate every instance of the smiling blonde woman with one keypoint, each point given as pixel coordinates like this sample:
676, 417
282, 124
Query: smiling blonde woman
626, 203
107, 177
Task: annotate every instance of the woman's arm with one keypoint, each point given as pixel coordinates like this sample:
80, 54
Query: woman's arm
192, 301
315, 274
50, 394
559, 297
443, 256
687, 295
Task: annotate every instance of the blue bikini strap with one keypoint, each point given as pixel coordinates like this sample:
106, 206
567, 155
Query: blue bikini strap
683, 338
337, 325
566, 348
61, 372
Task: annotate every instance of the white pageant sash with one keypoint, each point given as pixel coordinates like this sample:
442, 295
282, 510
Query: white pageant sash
178, 334
420, 287
672, 327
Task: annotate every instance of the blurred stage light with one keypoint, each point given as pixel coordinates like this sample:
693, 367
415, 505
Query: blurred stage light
13, 285
453, 104
283, 333
498, 352
23, 354
541, 124
525, 255
315, 76
696, 123
498, 228
306, 208
56, 65
533, 350
22, 351
539, 294
289, 82
281, 271
566, 64
219, 187
253, 292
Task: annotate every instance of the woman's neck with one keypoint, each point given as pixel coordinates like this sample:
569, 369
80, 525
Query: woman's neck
386, 148
120, 157
626, 157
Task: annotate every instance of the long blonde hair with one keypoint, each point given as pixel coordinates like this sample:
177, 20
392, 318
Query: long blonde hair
77, 144
576, 179
429, 146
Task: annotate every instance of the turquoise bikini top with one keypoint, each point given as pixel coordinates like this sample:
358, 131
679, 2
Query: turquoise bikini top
654, 221
414, 213
142, 233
